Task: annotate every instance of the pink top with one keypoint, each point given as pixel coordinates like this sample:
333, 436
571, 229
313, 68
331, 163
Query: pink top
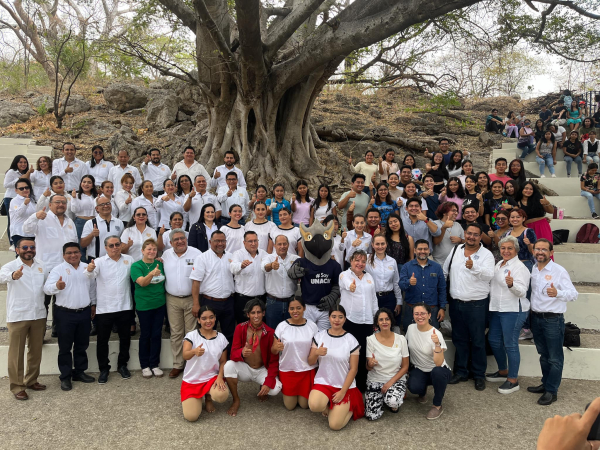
494, 177
459, 202
302, 213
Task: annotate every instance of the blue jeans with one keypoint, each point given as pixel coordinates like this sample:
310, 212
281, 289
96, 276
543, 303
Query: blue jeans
438, 378
387, 301
503, 337
151, 322
590, 199
592, 157
277, 312
577, 160
79, 224
468, 336
407, 316
526, 149
7, 207
548, 335
545, 160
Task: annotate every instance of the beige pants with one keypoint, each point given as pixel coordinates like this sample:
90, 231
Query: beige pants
18, 334
182, 321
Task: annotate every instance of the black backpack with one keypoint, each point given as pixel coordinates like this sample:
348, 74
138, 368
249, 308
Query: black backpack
572, 336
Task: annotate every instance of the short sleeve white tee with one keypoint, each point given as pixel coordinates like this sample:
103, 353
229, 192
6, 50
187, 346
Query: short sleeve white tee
421, 347
234, 238
321, 212
200, 369
389, 359
293, 235
297, 341
334, 367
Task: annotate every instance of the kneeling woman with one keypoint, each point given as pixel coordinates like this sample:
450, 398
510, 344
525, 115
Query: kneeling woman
337, 354
387, 363
427, 346
205, 350
293, 338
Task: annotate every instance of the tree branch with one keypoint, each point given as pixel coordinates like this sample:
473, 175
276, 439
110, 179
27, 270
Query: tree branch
543, 22
251, 48
182, 12
277, 11
571, 5
216, 35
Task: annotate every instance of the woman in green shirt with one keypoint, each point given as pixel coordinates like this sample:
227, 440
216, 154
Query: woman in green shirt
150, 300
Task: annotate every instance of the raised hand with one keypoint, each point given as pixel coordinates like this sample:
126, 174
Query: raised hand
378, 230
352, 194
422, 216
413, 280
380, 159
372, 362
350, 160
95, 231
278, 345
352, 206
217, 174
161, 231
275, 265
478, 196
551, 291
229, 193
543, 201
129, 242
344, 235
192, 193
443, 192
356, 242
91, 266
47, 192
353, 286
399, 202
17, 273
165, 198
253, 198
246, 263
129, 199
372, 201
174, 176
27, 200
69, 169
147, 159
41, 215
247, 350
60, 284
199, 351
435, 338
469, 263
449, 223
491, 234
322, 351
509, 280
156, 271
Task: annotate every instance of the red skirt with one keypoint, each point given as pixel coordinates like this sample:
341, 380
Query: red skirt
357, 405
542, 229
297, 383
199, 390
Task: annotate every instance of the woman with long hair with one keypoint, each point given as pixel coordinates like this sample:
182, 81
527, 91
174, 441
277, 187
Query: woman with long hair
511, 187
368, 169
387, 165
260, 195
503, 222
184, 187
400, 246
538, 129
472, 196
483, 182
416, 173
384, 270
454, 192
57, 186
516, 171
201, 231
438, 170
146, 200
290, 231
41, 177
467, 169
276, 203
574, 116
323, 205
19, 168
167, 204
496, 201
261, 226
455, 165
301, 204
138, 231
589, 187
98, 167
535, 207
384, 203
83, 205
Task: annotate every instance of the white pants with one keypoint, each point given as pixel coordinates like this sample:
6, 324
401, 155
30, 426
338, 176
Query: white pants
243, 372
321, 318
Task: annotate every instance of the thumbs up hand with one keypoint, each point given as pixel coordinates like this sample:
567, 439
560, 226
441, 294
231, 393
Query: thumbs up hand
352, 206
47, 192
41, 215
353, 286
173, 175
199, 351
156, 271
275, 265
469, 263
95, 231
69, 169
356, 242
129, 199
247, 350
229, 193
91, 266
192, 193
372, 362
344, 234
551, 291
413, 280
17, 273
322, 351
217, 174
60, 284
27, 200
278, 345
509, 280
73, 193
435, 338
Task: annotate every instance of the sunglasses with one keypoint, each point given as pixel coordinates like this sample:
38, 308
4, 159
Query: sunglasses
23, 188
141, 215
27, 247
118, 244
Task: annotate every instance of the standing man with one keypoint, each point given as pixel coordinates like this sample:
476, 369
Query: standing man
280, 288
405, 178
212, 283
470, 216
178, 262
445, 150
75, 306
113, 306
25, 317
422, 280
99, 228
356, 196
230, 195
218, 181
469, 270
247, 274
417, 224
53, 229
551, 289
501, 165
189, 166
155, 171
197, 198
116, 173
69, 168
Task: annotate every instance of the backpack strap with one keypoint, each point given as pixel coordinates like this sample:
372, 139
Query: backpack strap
96, 239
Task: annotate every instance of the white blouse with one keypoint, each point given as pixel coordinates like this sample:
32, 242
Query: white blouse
503, 298
201, 369
335, 365
10, 179
297, 341
234, 237
84, 207
100, 171
389, 359
361, 304
365, 243
293, 235
263, 231
385, 275
166, 208
321, 212
150, 206
135, 251
19, 213
41, 182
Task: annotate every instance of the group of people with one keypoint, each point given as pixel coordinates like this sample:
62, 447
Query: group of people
409, 244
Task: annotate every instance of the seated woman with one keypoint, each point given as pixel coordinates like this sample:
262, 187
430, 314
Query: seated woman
535, 207
426, 346
546, 154
574, 116
573, 150
538, 129
516, 171
586, 128
205, 350
590, 188
384, 203
510, 125
387, 363
455, 165
560, 134
335, 389
293, 341
526, 141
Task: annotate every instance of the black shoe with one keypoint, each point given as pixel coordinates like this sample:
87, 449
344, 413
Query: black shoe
103, 378
495, 377
124, 371
132, 332
94, 330
594, 216
115, 329
480, 384
547, 399
168, 329
536, 389
83, 377
456, 378
53, 333
66, 385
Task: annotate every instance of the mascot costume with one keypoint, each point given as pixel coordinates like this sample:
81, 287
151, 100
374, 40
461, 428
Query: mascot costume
318, 273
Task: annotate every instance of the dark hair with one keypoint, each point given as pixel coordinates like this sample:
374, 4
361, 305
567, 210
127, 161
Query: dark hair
30, 238
93, 191
179, 189
337, 308
444, 139
413, 200
473, 178
422, 241
189, 147
465, 207
217, 232
69, 245
356, 176
460, 193
286, 209
388, 198
385, 311
262, 186
15, 164
592, 166
394, 174
405, 195
550, 245
93, 160
329, 218
474, 225
520, 177
486, 176
105, 182
54, 178
298, 196
203, 309
131, 222
258, 203
404, 161
515, 186
442, 167
369, 151
406, 166
510, 114
462, 172
173, 214
445, 208
500, 159
27, 181
519, 211
232, 173
371, 210
317, 201
388, 150
250, 232
371, 257
48, 159
534, 203
234, 206
252, 303
403, 239
536, 125
204, 207
166, 180
141, 188
357, 216
423, 305
275, 186
455, 165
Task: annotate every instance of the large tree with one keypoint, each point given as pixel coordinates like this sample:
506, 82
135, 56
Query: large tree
260, 66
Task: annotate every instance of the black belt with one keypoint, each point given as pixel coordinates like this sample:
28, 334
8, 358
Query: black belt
381, 294
547, 315
73, 310
284, 300
468, 301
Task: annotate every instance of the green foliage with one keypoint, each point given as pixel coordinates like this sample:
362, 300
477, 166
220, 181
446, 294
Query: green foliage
444, 101
71, 55
42, 110
13, 79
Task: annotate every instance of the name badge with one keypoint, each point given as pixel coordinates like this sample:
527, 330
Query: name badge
433, 274
475, 257
505, 271
104, 166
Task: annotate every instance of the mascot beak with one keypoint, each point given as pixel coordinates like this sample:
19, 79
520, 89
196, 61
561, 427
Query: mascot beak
318, 245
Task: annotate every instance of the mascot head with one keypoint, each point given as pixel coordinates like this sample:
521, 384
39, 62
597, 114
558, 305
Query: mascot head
317, 241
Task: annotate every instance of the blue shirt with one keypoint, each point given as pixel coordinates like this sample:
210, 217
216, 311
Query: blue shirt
318, 280
385, 209
278, 207
430, 287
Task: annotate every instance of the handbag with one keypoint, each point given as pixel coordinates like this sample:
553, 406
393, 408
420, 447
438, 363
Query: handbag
3, 211
572, 336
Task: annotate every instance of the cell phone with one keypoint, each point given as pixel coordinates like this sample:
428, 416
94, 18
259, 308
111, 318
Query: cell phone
595, 431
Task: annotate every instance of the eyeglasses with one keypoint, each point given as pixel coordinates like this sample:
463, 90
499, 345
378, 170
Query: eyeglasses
73, 253
60, 202
27, 247
472, 234
141, 215
103, 205
118, 244
26, 188
419, 314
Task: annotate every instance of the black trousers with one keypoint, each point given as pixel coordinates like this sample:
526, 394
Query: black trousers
122, 319
239, 304
493, 127
225, 316
73, 330
360, 331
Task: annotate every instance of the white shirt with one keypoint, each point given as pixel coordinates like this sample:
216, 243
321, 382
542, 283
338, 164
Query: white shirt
193, 171
116, 173
50, 237
297, 342
214, 274
44, 202
365, 243
113, 289
178, 270
40, 181
10, 180
124, 209
389, 359
234, 237
293, 235
19, 212
200, 369
238, 197
541, 280
72, 179
338, 250
86, 207
321, 212
138, 239
587, 144
361, 304
421, 347
385, 275
470, 284
149, 206
112, 228
277, 282
221, 181
263, 231
79, 291
335, 365
558, 135
167, 240
100, 171
503, 298
166, 208
198, 201
249, 281
156, 174
25, 297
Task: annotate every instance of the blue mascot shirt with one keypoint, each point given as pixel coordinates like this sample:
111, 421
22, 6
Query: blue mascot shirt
318, 280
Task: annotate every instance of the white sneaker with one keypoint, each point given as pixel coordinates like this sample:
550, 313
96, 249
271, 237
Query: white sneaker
542, 176
569, 176
553, 175
147, 373
157, 372
525, 334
